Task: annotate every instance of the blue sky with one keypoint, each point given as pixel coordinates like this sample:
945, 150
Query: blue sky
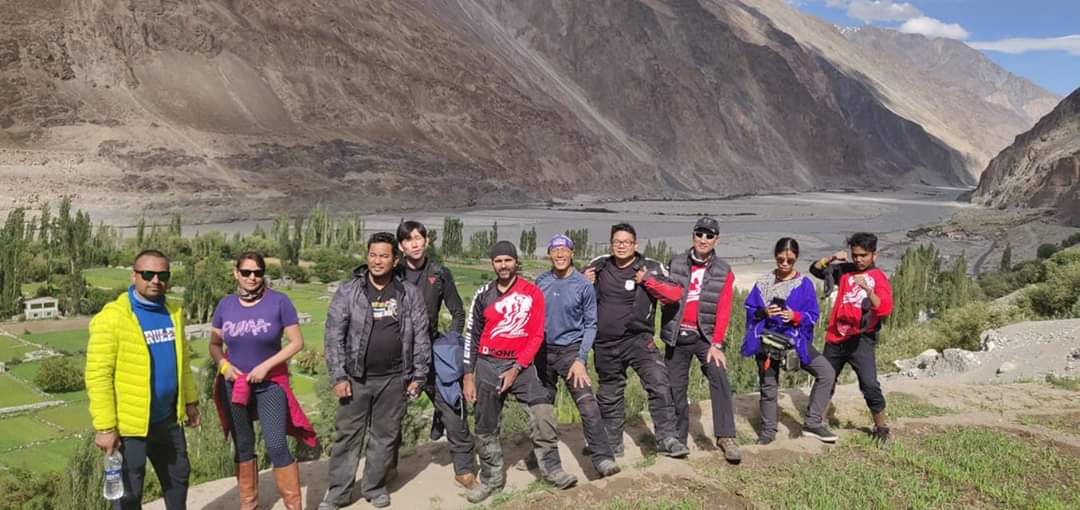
1036, 39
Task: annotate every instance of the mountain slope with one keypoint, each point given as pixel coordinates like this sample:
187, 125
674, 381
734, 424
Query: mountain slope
956, 93
1041, 168
409, 103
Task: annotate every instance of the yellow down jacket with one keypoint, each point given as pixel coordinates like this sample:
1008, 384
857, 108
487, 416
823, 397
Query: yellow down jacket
118, 369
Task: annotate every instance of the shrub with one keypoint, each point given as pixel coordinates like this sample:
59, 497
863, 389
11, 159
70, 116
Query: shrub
59, 375
308, 361
1045, 250
1056, 297
1072, 240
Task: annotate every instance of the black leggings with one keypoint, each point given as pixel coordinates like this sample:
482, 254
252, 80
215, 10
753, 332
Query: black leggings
273, 412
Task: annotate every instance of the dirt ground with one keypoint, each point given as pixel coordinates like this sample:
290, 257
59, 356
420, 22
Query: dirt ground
425, 479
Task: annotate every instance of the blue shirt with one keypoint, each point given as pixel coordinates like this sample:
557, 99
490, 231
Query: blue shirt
160, 338
569, 310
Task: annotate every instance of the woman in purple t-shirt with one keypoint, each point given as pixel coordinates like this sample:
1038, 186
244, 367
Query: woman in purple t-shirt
250, 324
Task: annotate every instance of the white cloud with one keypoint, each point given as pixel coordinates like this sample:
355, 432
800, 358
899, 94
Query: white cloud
878, 10
1069, 44
932, 27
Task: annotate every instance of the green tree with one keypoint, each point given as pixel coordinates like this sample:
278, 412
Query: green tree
527, 243
452, 237
210, 280
1046, 250
12, 249
59, 375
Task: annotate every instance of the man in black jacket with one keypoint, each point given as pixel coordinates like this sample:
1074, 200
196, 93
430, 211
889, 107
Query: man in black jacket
436, 284
628, 285
695, 328
377, 352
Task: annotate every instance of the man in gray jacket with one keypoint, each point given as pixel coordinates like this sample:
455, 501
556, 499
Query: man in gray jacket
378, 353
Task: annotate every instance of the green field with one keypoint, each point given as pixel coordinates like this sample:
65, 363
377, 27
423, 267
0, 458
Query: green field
52, 456
11, 348
72, 417
15, 393
19, 430
108, 277
27, 371
70, 341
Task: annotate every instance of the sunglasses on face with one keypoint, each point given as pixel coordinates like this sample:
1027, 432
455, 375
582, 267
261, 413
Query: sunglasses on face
785, 260
708, 236
162, 276
248, 272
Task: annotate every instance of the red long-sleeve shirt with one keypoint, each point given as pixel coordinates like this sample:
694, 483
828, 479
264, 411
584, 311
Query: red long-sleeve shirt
852, 313
505, 325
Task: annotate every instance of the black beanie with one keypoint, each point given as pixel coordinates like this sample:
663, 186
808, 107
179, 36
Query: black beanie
503, 248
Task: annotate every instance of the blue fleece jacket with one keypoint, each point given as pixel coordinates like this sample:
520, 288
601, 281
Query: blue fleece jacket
160, 338
569, 310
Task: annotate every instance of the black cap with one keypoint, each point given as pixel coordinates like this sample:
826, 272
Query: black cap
707, 224
503, 248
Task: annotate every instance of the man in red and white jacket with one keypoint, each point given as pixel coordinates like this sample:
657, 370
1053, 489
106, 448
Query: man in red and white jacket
504, 331
695, 328
863, 300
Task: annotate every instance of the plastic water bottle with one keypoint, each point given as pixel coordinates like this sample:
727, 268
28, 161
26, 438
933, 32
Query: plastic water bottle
114, 484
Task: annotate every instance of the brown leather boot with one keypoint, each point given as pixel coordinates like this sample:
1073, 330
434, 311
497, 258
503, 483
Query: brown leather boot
288, 485
466, 481
247, 481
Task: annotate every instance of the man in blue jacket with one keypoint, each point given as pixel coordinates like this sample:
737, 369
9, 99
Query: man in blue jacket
569, 332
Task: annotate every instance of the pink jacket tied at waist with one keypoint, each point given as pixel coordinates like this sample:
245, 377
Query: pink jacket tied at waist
299, 426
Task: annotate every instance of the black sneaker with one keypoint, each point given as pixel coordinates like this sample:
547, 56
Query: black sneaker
820, 432
880, 435
764, 440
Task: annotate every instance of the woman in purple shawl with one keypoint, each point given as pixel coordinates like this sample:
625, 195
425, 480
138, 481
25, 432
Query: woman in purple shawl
783, 305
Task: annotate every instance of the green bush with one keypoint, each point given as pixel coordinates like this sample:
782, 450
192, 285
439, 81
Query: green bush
59, 375
1072, 240
1045, 250
308, 361
1056, 297
962, 327
1065, 258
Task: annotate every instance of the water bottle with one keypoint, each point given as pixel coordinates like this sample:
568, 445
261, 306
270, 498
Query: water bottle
114, 484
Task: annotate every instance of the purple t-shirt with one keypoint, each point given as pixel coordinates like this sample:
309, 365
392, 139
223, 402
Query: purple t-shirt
253, 334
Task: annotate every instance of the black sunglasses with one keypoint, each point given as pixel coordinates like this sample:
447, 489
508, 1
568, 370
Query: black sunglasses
248, 272
708, 236
148, 276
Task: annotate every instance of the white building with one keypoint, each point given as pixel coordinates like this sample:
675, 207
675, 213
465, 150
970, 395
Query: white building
41, 308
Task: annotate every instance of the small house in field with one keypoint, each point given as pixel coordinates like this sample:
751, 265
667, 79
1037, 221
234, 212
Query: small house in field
192, 331
41, 308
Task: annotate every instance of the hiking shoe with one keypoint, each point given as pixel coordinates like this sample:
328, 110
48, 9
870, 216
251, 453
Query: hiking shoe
466, 481
764, 440
617, 450
481, 492
731, 450
880, 435
607, 467
673, 448
561, 479
820, 432
380, 501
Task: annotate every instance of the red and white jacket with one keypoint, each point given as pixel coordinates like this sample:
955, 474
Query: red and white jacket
505, 325
852, 313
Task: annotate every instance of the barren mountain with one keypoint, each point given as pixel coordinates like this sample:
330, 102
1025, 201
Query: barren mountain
1041, 168
234, 108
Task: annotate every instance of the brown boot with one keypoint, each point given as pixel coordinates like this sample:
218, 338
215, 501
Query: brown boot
288, 485
466, 481
247, 481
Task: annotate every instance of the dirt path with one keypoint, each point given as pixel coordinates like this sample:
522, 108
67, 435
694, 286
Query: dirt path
47, 326
425, 474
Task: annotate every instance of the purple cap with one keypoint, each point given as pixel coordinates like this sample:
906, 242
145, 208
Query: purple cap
560, 241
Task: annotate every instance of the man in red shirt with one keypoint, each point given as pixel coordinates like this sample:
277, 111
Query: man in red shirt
863, 300
504, 331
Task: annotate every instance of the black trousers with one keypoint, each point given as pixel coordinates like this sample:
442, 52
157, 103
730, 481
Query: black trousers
272, 406
639, 352
369, 419
455, 423
859, 353
166, 447
690, 345
554, 364
528, 390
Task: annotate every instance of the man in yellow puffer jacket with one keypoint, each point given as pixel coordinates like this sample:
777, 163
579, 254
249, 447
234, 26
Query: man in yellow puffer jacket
139, 381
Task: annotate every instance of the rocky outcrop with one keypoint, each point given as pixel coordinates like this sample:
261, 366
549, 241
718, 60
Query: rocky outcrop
1041, 168
409, 103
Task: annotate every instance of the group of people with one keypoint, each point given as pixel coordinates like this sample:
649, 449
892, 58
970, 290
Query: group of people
384, 347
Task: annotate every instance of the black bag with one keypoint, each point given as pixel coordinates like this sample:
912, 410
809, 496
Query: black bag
781, 348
